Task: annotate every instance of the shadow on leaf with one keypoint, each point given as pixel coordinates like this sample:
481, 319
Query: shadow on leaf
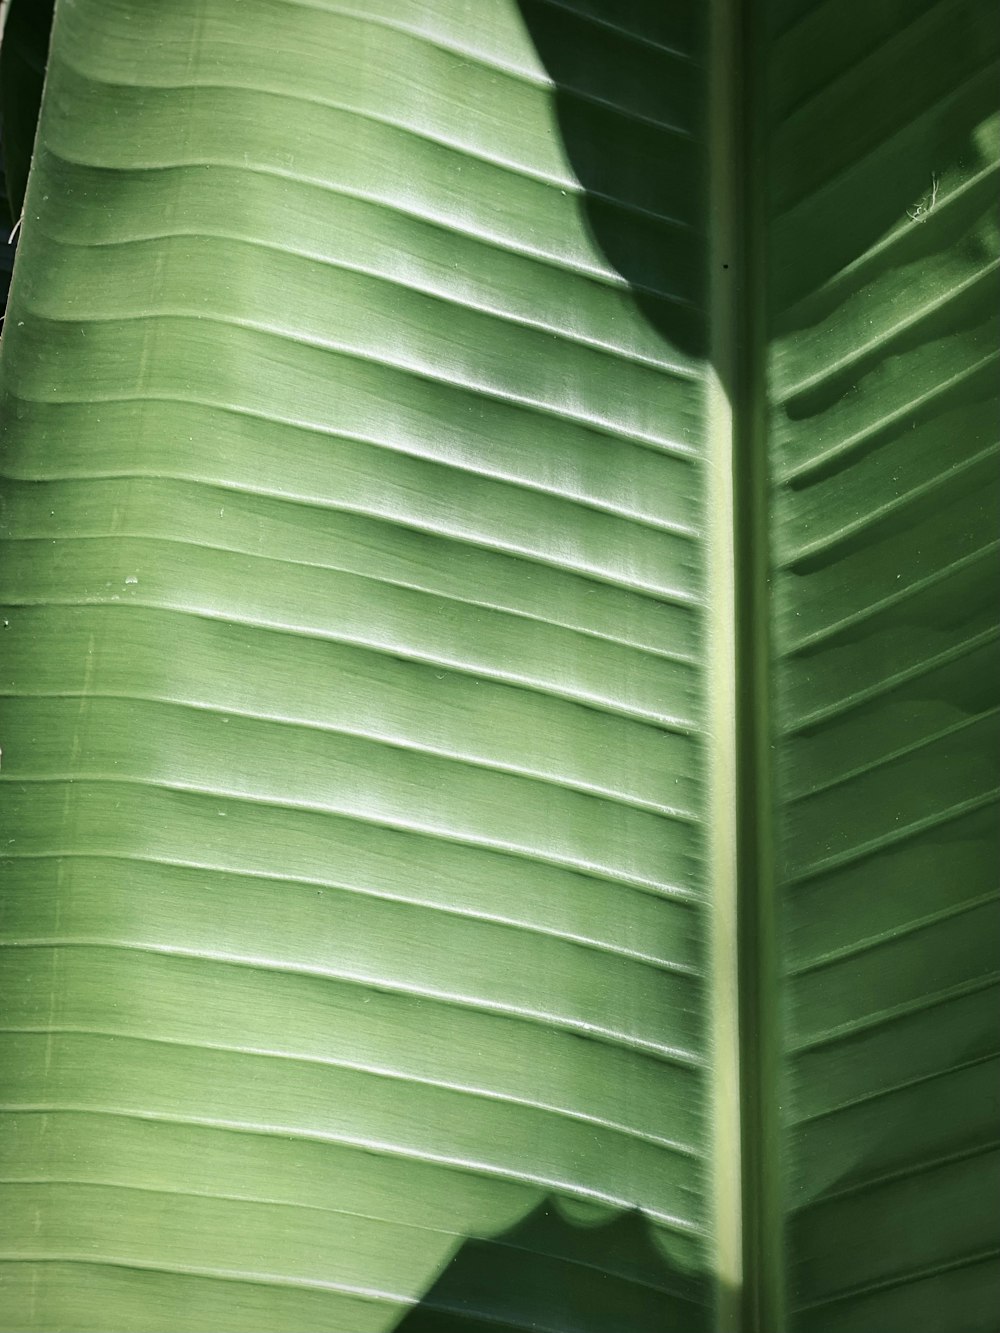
629, 109
551, 1274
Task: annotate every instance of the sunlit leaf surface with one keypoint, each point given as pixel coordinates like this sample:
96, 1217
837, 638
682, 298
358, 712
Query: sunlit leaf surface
365, 571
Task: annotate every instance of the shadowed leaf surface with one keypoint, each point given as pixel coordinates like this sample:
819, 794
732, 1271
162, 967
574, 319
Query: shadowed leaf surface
587, 1276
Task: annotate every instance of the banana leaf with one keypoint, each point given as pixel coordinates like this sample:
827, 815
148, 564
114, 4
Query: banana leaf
500, 670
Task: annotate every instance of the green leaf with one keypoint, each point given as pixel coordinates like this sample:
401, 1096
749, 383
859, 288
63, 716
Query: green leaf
500, 670
882, 430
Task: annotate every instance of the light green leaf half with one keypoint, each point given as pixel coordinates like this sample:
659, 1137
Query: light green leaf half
500, 670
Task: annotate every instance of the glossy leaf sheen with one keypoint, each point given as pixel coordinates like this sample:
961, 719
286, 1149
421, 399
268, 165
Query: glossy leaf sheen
361, 563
